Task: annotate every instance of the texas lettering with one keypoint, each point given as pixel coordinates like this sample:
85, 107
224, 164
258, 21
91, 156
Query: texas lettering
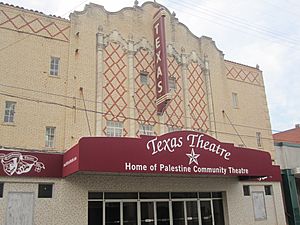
169, 144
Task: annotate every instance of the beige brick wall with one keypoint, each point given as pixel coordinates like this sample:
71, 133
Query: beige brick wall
25, 79
99, 53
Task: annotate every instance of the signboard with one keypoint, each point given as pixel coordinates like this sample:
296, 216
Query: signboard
17, 163
160, 62
183, 152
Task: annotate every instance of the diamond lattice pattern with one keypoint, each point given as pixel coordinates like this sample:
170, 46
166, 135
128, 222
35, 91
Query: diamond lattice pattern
248, 75
174, 112
145, 95
198, 105
36, 25
115, 92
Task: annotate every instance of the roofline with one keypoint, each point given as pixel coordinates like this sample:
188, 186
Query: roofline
33, 11
252, 67
290, 130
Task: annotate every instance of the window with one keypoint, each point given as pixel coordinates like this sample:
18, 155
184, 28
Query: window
45, 190
50, 131
146, 129
95, 195
246, 190
235, 102
114, 128
268, 190
9, 111
144, 77
121, 195
173, 129
258, 139
172, 83
54, 66
184, 195
1, 190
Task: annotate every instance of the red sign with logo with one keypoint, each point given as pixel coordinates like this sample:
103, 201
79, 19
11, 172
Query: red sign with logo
19, 163
160, 62
183, 152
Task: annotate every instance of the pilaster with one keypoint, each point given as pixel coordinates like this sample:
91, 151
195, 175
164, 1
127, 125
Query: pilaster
131, 89
99, 84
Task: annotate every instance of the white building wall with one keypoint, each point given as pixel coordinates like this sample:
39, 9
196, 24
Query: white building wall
69, 205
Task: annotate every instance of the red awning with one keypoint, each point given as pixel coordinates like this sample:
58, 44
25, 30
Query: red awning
183, 152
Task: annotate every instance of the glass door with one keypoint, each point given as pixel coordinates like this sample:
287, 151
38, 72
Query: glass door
192, 213
95, 213
147, 213
218, 212
130, 213
206, 213
203, 208
178, 213
162, 212
112, 213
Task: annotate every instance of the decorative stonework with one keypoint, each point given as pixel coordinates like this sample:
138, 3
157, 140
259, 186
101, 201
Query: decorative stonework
33, 24
247, 74
173, 53
144, 44
115, 93
193, 57
116, 37
197, 101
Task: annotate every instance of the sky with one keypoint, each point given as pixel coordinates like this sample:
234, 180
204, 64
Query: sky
250, 32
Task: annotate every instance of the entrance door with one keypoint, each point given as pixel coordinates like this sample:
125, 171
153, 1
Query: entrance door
192, 213
206, 213
155, 213
185, 213
203, 208
20, 209
121, 213
95, 216
112, 213
162, 212
129, 213
147, 213
178, 213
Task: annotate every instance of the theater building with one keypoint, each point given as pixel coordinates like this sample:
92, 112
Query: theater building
128, 118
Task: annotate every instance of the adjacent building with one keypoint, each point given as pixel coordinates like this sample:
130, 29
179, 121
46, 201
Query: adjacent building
287, 146
128, 118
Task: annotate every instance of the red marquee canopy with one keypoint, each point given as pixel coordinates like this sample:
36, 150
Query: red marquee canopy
183, 152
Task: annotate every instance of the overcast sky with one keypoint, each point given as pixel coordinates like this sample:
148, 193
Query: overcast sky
263, 32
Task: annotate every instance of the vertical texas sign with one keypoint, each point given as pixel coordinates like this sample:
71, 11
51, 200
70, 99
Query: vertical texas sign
160, 62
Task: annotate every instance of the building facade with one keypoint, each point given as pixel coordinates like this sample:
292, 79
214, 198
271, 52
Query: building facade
287, 146
96, 75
